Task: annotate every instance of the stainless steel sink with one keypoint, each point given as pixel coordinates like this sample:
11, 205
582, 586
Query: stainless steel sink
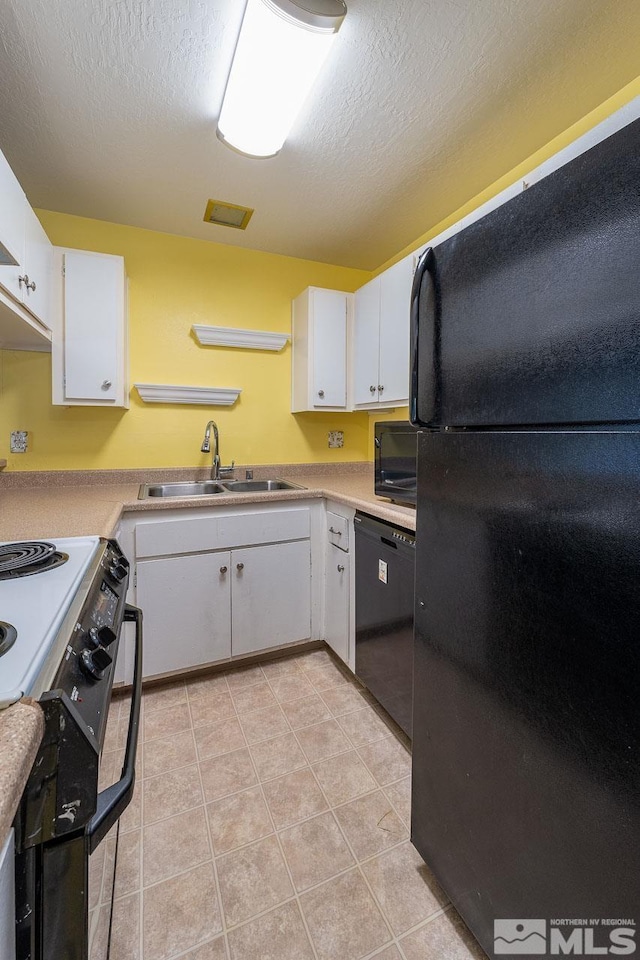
192, 488
259, 486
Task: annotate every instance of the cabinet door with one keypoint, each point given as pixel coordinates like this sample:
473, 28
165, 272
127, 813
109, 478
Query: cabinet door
336, 601
271, 595
13, 205
38, 260
94, 305
395, 299
329, 387
366, 337
7, 899
187, 611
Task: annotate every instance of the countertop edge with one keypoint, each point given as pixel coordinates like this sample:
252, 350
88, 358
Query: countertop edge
21, 731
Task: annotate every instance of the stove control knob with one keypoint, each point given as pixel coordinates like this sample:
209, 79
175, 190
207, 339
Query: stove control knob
118, 571
95, 662
92, 639
106, 636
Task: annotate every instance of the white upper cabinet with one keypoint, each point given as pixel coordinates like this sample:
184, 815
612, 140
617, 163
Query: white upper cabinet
25, 270
90, 351
380, 355
319, 358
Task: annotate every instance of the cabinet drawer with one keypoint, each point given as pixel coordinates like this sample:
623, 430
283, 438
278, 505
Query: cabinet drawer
195, 535
338, 530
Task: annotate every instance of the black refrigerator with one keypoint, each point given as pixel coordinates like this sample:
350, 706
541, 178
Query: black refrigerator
526, 387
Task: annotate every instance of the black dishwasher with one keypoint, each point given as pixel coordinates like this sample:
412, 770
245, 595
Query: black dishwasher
385, 572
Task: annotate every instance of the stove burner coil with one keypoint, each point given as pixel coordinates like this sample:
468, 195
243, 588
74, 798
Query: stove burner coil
8, 634
28, 557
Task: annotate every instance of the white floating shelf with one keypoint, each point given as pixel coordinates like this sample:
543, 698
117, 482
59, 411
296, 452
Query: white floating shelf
235, 337
168, 393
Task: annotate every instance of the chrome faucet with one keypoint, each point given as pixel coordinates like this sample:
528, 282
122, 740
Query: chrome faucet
206, 448
216, 469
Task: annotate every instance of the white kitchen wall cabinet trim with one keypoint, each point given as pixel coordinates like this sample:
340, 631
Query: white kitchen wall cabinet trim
338, 624
320, 321
26, 261
380, 331
90, 353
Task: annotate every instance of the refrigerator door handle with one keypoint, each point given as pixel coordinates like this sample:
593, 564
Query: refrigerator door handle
426, 264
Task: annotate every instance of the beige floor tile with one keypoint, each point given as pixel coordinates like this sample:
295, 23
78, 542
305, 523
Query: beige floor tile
239, 819
315, 659
171, 793
343, 919
131, 819
244, 677
302, 713
213, 950
109, 770
175, 845
287, 667
343, 777
278, 935
163, 697
264, 724
291, 688
370, 824
164, 723
125, 929
252, 880
326, 676
446, 936
404, 887
115, 734
400, 795
274, 758
180, 913
315, 851
387, 760
211, 707
167, 753
203, 686
128, 864
227, 774
344, 699
255, 697
294, 797
391, 953
218, 738
322, 740
96, 873
363, 726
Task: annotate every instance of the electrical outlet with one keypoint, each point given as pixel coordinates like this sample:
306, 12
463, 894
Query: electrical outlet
19, 441
336, 438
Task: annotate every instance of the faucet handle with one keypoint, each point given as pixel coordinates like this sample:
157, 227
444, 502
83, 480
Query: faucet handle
228, 470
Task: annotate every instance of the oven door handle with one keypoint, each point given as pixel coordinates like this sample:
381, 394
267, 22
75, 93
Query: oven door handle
114, 800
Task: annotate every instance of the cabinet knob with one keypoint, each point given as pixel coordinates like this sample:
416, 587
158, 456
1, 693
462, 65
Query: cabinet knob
372, 389
321, 393
380, 387
239, 566
223, 569
24, 280
341, 568
31, 285
106, 384
337, 533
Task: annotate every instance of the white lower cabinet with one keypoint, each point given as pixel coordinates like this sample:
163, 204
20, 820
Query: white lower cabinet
271, 596
336, 610
212, 587
7, 899
186, 603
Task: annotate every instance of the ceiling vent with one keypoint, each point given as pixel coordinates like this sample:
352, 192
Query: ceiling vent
227, 214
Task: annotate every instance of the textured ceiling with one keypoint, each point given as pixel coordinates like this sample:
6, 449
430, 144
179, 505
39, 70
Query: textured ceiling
108, 109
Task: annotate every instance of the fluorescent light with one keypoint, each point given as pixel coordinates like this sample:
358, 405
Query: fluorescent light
280, 52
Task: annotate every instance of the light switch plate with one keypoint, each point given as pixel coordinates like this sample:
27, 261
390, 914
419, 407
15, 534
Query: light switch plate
336, 438
19, 441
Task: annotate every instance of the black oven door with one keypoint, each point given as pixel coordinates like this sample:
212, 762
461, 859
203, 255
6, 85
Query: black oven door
107, 831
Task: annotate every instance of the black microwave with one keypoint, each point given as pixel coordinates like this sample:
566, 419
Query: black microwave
396, 455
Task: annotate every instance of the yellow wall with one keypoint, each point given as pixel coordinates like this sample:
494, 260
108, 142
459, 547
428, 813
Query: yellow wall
175, 282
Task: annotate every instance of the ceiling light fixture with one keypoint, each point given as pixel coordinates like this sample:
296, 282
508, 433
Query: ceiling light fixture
281, 48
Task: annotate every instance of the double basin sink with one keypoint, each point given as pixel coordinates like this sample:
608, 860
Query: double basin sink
207, 488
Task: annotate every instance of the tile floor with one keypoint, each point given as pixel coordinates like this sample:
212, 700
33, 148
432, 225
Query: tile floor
270, 821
